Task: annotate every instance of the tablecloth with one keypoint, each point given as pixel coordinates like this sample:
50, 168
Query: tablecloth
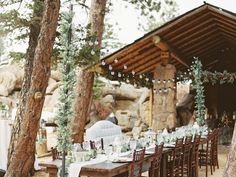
5, 135
74, 168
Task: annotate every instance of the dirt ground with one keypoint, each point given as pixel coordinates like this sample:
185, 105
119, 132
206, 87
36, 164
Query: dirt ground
223, 152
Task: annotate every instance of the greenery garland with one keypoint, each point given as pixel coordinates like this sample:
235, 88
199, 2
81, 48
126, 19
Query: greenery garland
65, 111
196, 69
218, 77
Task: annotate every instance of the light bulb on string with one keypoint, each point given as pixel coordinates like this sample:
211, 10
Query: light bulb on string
125, 67
168, 80
153, 80
96, 42
160, 90
165, 90
112, 73
90, 43
127, 80
92, 52
140, 76
164, 81
110, 67
133, 72
159, 81
119, 74
103, 63
146, 79
116, 60
173, 80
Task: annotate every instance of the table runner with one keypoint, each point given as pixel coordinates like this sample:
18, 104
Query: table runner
74, 168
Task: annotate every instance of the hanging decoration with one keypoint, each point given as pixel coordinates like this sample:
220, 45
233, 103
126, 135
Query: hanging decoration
65, 111
218, 77
138, 80
196, 69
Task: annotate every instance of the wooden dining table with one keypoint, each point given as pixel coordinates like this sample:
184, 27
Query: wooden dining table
109, 169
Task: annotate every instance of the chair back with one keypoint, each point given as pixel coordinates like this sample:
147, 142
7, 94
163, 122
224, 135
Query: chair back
176, 158
137, 163
155, 164
55, 153
103, 129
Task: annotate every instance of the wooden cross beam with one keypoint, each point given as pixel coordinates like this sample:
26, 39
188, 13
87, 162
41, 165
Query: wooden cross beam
166, 48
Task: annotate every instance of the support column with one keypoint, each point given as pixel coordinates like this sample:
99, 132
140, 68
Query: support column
164, 108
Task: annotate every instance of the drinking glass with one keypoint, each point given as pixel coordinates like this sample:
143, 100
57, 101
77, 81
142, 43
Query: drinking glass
108, 152
133, 145
86, 145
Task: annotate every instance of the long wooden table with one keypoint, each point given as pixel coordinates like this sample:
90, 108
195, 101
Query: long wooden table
104, 169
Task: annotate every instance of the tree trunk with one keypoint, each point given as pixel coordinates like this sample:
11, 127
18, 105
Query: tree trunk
230, 167
23, 156
33, 40
82, 104
85, 81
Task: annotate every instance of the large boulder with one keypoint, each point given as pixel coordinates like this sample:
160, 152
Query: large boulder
52, 86
56, 75
126, 118
11, 78
51, 101
185, 110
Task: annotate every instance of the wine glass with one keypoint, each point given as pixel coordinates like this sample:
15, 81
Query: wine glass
86, 145
108, 152
133, 145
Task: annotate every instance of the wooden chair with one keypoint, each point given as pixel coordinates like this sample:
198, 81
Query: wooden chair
215, 148
174, 162
155, 164
55, 153
185, 167
194, 156
206, 154
137, 163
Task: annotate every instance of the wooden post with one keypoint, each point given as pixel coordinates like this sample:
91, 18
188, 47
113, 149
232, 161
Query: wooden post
150, 107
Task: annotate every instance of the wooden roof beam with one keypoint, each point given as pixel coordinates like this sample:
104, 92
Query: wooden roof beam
165, 47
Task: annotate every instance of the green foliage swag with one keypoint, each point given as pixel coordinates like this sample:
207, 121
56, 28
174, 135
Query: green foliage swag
196, 69
65, 111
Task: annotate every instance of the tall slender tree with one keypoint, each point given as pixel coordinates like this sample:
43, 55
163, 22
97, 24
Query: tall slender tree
230, 167
22, 158
85, 78
34, 28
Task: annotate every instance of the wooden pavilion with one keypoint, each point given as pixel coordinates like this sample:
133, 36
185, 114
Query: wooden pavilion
207, 32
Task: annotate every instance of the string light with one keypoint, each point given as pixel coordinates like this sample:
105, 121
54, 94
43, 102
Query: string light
116, 60
112, 73
103, 63
90, 43
133, 72
125, 67
92, 52
119, 74
110, 67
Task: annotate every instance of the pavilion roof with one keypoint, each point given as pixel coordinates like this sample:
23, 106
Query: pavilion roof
204, 32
